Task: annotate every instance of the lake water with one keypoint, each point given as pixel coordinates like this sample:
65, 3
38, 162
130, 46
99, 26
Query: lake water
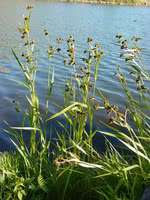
102, 23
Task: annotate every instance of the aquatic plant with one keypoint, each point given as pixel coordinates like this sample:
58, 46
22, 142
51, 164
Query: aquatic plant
78, 171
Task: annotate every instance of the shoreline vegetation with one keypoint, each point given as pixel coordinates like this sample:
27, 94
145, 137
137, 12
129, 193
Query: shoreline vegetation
145, 3
75, 169
115, 2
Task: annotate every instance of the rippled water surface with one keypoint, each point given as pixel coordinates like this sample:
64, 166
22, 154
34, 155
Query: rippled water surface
62, 20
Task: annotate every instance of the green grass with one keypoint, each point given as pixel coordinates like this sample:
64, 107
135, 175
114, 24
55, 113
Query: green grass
77, 170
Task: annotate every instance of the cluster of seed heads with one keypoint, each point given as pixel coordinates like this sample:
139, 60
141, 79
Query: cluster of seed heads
23, 32
85, 73
58, 40
46, 32
69, 89
84, 77
30, 7
121, 76
116, 115
71, 51
131, 55
61, 160
50, 51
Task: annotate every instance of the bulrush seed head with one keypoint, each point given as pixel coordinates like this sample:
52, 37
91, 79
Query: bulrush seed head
89, 39
30, 7
26, 18
58, 50
23, 54
58, 40
92, 98
97, 46
23, 36
46, 32
111, 120
137, 39
119, 36
65, 62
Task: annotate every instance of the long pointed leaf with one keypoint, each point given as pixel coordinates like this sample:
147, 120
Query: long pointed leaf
67, 109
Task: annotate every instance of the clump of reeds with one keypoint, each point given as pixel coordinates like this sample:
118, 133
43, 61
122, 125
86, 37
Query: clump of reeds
78, 170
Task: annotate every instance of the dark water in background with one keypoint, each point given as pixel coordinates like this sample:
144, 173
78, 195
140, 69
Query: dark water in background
62, 20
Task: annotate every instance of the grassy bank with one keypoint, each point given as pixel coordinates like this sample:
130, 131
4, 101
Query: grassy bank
75, 170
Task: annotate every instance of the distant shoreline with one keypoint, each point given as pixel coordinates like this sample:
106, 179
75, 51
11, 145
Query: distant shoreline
142, 3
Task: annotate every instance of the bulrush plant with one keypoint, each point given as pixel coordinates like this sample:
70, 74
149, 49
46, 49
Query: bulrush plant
38, 151
138, 111
135, 120
80, 95
77, 170
128, 171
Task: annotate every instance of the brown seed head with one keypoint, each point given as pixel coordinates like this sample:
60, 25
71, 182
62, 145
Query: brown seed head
23, 36
89, 85
23, 54
30, 7
124, 41
71, 50
120, 36
109, 111
78, 76
137, 39
82, 69
96, 106
65, 62
92, 98
123, 46
111, 120
22, 30
58, 50
97, 45
116, 108
121, 79
143, 87
89, 39
121, 54
85, 51
58, 40
46, 33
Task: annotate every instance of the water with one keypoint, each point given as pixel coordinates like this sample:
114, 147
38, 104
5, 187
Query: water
100, 22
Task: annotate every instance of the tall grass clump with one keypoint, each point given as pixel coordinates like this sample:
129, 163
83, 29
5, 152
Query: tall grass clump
38, 151
135, 119
79, 97
77, 170
137, 110
29, 68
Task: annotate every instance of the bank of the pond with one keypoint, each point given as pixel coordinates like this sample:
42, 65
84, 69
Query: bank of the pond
145, 3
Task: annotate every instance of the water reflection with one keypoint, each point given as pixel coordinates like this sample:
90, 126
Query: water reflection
62, 20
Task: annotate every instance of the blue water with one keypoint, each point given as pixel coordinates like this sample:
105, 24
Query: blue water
100, 22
